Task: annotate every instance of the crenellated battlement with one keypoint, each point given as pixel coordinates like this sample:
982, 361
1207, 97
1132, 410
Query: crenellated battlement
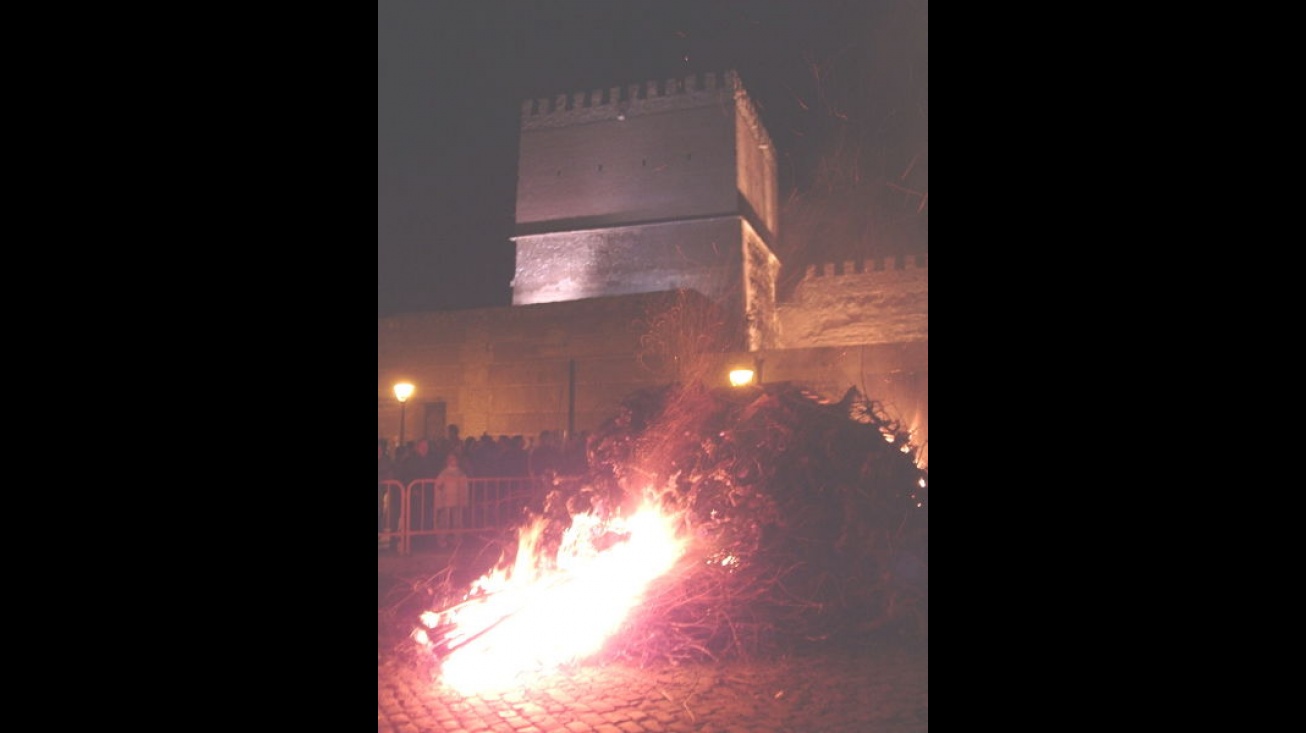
883, 300
627, 100
868, 265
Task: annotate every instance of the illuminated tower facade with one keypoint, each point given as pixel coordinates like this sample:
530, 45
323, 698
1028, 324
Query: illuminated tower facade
649, 187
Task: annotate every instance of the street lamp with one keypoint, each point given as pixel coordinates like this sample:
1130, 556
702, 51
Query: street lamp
403, 391
740, 377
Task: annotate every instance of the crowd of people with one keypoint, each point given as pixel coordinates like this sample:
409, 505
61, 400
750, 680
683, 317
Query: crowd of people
505, 455
452, 460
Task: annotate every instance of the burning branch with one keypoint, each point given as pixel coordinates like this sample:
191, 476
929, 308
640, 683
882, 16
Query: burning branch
776, 521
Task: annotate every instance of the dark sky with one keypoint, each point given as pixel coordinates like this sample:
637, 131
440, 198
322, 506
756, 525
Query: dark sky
841, 86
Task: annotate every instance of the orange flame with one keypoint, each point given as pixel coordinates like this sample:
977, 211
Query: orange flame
540, 612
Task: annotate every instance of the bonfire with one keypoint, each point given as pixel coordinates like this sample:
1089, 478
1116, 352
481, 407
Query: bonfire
712, 524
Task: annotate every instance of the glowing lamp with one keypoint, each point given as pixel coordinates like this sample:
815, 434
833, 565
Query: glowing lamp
740, 377
403, 391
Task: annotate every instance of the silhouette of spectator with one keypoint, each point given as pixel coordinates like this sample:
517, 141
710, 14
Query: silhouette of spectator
467, 457
512, 455
444, 444
402, 452
387, 497
452, 499
546, 456
420, 464
439, 450
487, 456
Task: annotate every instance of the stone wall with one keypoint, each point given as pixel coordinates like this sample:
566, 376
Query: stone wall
642, 168
722, 258
523, 369
520, 369
703, 254
880, 301
896, 375
757, 179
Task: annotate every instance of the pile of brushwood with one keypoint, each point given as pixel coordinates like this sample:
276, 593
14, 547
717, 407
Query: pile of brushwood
808, 519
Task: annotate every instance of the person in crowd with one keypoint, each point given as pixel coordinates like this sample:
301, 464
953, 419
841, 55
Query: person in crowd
546, 456
468, 456
402, 453
512, 455
420, 465
445, 443
387, 496
452, 500
485, 456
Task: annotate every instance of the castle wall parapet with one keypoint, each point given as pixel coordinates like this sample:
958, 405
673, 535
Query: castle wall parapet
639, 98
873, 301
871, 265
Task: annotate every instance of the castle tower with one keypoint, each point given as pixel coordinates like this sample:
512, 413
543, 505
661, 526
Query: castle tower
650, 187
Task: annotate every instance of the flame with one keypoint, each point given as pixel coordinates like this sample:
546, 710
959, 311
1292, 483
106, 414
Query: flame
529, 617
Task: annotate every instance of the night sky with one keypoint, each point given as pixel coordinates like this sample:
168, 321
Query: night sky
840, 84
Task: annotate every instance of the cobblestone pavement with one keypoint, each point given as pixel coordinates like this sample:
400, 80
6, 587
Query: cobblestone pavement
877, 689
881, 687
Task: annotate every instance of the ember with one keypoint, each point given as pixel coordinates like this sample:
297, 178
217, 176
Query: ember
713, 523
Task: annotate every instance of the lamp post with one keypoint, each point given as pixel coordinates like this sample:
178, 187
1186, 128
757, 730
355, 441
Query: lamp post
403, 391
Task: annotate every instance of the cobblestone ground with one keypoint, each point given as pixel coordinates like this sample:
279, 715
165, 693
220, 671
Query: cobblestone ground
881, 688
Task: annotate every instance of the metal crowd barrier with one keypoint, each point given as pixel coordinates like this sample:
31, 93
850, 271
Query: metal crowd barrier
414, 510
